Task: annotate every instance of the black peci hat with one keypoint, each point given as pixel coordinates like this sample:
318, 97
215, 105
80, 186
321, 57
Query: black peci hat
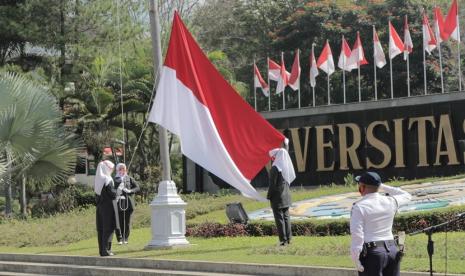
369, 178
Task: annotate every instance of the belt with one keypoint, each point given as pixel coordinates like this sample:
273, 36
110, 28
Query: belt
374, 244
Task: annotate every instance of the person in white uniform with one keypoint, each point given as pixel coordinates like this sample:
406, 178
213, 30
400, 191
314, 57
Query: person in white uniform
373, 248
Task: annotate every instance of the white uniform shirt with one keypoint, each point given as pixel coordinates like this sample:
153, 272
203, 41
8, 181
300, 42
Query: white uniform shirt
372, 217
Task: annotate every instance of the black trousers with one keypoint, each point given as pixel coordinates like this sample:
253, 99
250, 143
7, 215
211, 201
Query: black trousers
125, 224
105, 226
283, 224
381, 261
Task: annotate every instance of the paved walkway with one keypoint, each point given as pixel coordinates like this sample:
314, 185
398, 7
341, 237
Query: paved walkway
27, 264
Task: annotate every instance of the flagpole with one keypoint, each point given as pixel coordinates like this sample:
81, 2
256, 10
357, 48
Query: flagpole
298, 53
458, 62
268, 80
424, 69
329, 99
254, 88
344, 80
157, 52
390, 72
359, 89
374, 64
440, 65
284, 88
343, 70
376, 86
284, 100
458, 50
161, 208
408, 76
390, 66
424, 59
311, 64
313, 90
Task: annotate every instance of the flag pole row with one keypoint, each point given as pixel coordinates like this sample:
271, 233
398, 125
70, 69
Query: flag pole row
350, 59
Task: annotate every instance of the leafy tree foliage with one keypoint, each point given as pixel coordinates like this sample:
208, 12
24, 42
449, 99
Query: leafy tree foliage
248, 30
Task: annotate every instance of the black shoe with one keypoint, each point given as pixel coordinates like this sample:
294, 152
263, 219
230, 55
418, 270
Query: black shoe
282, 244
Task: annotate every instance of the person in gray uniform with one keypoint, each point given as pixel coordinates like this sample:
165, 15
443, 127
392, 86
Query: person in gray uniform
281, 176
105, 214
127, 187
373, 248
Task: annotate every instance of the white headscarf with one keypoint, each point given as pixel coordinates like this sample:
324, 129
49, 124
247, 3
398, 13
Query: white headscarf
103, 175
117, 170
283, 163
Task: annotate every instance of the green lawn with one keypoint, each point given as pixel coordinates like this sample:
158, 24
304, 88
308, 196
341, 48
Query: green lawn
74, 233
319, 251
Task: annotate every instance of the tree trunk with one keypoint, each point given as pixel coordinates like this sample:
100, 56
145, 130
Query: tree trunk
22, 198
62, 45
8, 195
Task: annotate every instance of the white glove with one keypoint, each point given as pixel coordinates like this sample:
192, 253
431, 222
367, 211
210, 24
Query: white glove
126, 190
122, 197
359, 266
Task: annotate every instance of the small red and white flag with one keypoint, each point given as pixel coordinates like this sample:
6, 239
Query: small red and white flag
294, 78
343, 62
396, 46
429, 40
378, 53
259, 82
325, 60
313, 69
438, 25
218, 130
357, 57
274, 70
408, 44
283, 80
451, 24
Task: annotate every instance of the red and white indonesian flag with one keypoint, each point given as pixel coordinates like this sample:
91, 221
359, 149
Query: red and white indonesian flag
429, 40
396, 46
294, 78
378, 53
438, 25
408, 44
451, 24
343, 62
313, 68
218, 130
357, 57
259, 82
283, 80
325, 60
274, 70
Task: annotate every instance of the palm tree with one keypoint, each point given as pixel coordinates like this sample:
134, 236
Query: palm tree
32, 140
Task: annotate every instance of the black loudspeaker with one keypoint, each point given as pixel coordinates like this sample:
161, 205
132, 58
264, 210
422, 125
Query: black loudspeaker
236, 213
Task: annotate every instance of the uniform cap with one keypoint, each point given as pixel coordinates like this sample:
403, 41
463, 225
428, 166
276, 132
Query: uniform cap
369, 178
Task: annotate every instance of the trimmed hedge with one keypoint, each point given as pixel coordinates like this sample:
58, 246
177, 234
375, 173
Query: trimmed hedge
312, 227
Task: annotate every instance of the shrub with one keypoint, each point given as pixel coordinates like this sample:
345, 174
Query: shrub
67, 198
312, 227
44, 207
213, 230
349, 180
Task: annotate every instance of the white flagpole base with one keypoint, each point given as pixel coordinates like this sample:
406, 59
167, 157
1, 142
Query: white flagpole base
168, 218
